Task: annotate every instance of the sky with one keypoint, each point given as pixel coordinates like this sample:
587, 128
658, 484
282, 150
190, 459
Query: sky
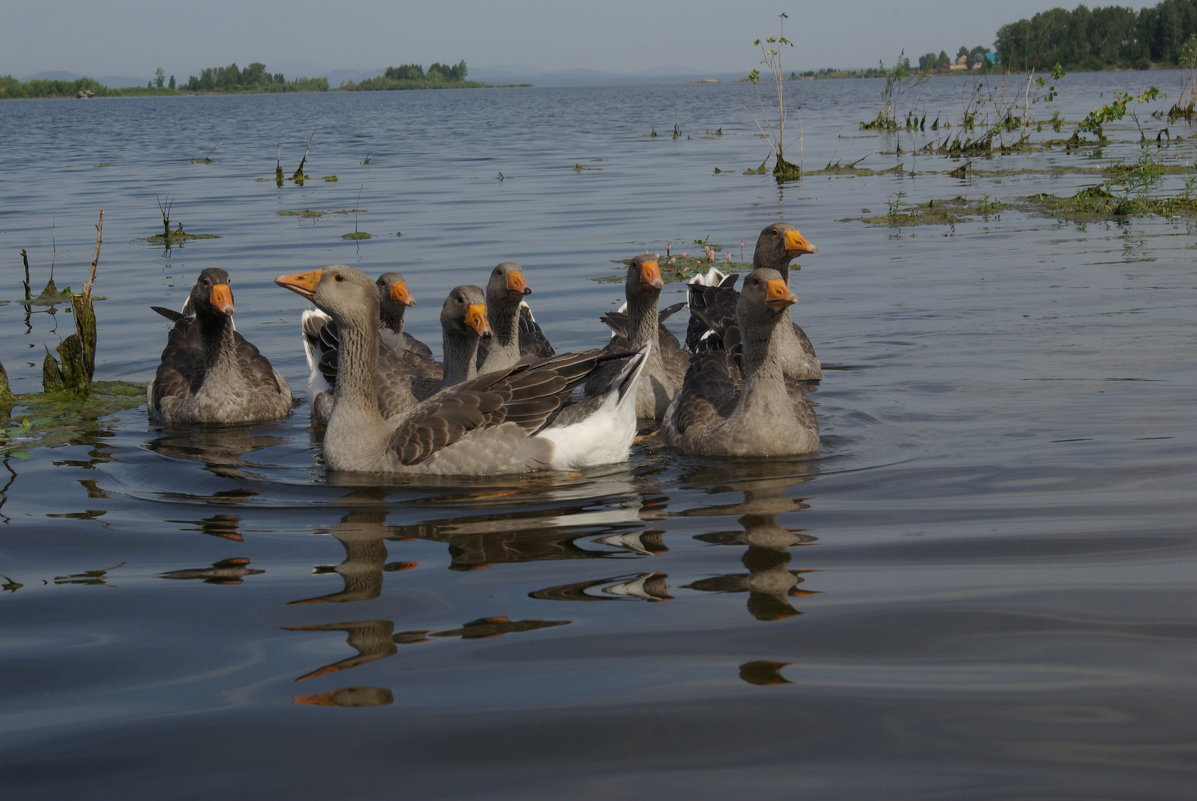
134, 37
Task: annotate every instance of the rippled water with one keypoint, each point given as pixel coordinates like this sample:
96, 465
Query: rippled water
982, 588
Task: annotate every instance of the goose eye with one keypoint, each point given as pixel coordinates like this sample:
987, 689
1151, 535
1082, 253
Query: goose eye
338, 277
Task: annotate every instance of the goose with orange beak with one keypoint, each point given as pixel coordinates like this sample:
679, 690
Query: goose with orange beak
737, 400
516, 332
713, 297
504, 421
321, 341
639, 327
209, 374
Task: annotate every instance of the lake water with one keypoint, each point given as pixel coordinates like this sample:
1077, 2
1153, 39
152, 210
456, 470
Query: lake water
983, 588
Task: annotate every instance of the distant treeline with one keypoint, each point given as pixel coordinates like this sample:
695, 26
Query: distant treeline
414, 76
1101, 38
1080, 40
254, 78
10, 87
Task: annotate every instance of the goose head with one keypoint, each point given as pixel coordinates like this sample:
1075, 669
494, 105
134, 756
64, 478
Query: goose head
778, 245
766, 295
507, 285
392, 291
644, 277
393, 299
345, 294
211, 294
463, 314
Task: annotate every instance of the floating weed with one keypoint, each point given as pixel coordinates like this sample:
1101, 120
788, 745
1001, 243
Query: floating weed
356, 235
103, 164
171, 237
329, 179
682, 266
901, 214
176, 237
48, 420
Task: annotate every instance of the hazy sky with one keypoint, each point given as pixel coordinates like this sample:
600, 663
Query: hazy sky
134, 37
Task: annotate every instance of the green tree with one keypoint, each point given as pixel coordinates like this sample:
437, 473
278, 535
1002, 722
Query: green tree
159, 77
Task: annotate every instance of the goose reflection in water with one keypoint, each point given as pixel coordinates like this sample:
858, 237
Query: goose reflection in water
226, 571
551, 524
377, 639
769, 582
348, 696
225, 526
518, 534
653, 586
361, 533
222, 449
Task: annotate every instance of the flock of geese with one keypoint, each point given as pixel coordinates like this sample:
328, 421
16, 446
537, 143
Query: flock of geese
502, 400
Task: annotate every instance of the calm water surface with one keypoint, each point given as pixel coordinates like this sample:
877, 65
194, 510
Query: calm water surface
982, 588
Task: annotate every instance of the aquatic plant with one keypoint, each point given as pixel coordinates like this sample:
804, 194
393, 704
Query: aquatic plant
77, 352
356, 233
1185, 106
775, 132
171, 237
900, 80
298, 176
1101, 116
681, 265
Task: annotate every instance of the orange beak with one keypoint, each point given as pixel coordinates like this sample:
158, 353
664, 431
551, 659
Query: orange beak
650, 275
399, 294
797, 245
221, 297
778, 293
301, 283
516, 283
476, 319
